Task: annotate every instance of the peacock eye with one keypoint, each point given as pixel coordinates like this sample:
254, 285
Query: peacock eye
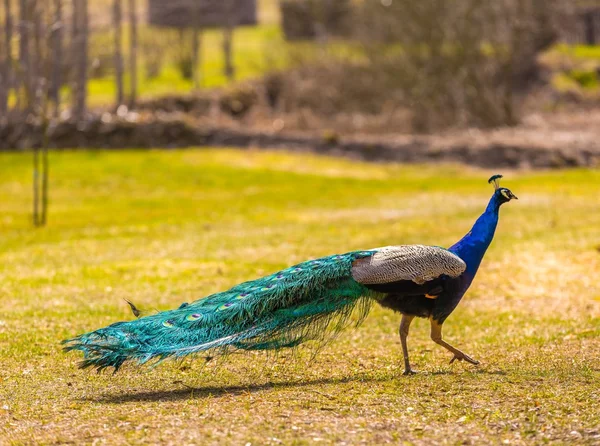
505, 193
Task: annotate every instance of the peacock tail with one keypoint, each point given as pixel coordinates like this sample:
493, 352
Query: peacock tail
309, 301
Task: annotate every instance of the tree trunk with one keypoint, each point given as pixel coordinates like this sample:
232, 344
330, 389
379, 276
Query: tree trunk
228, 39
196, 43
24, 69
8, 78
43, 71
133, 53
3, 82
5, 67
40, 179
81, 56
74, 50
38, 62
117, 23
227, 52
57, 56
589, 28
45, 168
36, 186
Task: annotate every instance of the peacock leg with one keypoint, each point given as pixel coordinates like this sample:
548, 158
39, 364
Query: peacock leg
404, 327
436, 336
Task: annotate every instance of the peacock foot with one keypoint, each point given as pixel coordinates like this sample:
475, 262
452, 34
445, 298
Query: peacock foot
463, 356
408, 372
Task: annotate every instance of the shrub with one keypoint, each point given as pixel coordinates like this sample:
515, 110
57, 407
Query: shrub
308, 19
586, 79
238, 101
451, 62
185, 66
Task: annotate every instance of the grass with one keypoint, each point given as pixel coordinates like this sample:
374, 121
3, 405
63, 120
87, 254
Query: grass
163, 227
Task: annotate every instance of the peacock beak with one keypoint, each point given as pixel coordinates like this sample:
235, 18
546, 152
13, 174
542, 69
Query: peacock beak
513, 196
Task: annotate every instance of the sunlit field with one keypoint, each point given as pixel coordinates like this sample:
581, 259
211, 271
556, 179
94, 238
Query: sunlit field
164, 227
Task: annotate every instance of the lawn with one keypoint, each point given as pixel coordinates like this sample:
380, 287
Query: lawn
163, 227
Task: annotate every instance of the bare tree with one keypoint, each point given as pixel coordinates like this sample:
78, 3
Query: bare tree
118, 25
41, 171
228, 38
45, 71
43, 216
133, 52
38, 62
73, 47
196, 44
57, 56
80, 35
24, 68
6, 69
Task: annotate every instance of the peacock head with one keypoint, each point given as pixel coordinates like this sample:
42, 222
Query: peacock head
502, 194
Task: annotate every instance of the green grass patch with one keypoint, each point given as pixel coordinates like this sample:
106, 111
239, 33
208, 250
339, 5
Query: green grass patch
256, 50
581, 52
586, 79
163, 227
575, 69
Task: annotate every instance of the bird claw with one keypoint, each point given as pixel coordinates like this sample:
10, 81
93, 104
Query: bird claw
409, 372
462, 356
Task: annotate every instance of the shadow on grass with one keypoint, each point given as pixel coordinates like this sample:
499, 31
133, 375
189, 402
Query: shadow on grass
474, 371
217, 391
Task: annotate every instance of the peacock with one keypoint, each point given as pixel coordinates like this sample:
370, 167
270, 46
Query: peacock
313, 300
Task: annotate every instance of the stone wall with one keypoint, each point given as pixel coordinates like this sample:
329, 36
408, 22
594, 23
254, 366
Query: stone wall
110, 132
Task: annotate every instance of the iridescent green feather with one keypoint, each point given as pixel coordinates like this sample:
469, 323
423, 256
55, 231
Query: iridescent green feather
309, 301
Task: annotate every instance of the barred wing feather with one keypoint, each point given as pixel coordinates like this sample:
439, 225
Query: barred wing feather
417, 263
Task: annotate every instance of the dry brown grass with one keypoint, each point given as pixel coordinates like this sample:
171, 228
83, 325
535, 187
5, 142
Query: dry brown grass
160, 228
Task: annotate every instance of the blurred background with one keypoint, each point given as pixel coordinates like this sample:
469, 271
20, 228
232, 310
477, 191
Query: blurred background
151, 73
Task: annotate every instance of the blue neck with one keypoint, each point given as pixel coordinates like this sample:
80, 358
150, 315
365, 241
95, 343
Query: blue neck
471, 248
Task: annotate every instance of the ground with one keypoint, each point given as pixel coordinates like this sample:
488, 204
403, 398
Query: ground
163, 227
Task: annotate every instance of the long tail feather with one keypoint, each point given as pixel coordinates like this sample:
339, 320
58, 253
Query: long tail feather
310, 301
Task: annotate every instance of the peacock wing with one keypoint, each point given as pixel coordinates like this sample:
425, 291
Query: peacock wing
418, 264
